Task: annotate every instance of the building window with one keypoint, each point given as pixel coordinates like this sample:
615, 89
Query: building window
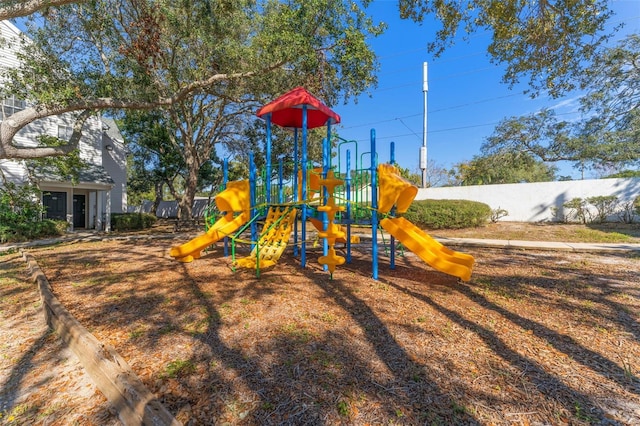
12, 105
64, 132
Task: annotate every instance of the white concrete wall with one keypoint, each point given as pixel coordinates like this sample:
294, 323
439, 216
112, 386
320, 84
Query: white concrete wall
535, 202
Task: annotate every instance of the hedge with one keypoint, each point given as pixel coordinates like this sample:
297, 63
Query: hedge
448, 214
131, 221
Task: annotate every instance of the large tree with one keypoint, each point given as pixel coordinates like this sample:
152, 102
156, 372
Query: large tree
550, 42
503, 167
152, 165
206, 64
612, 103
117, 54
609, 132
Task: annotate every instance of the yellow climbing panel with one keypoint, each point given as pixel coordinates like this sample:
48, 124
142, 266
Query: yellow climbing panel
334, 231
273, 239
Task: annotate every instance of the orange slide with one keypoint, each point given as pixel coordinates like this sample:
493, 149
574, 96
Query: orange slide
233, 199
394, 190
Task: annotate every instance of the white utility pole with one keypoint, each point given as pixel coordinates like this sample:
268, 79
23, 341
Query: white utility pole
423, 148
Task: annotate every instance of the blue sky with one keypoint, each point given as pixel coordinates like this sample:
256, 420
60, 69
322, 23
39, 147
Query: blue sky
465, 101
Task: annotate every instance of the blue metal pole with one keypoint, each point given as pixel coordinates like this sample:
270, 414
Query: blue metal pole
374, 205
295, 188
303, 248
392, 158
267, 180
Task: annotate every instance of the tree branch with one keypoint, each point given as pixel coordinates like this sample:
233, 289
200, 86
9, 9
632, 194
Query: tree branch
28, 7
11, 126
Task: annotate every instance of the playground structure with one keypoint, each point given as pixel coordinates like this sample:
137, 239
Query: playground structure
332, 201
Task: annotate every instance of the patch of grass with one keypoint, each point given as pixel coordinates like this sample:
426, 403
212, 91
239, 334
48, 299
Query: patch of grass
328, 317
179, 368
597, 236
296, 332
137, 333
343, 408
49, 410
166, 329
18, 415
628, 370
225, 309
324, 358
581, 415
582, 264
458, 409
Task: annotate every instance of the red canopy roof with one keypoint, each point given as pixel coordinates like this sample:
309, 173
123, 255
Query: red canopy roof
286, 111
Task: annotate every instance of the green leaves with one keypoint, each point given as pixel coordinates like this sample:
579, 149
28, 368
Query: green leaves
506, 166
609, 132
549, 42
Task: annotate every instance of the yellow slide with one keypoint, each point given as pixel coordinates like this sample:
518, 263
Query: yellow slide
275, 236
394, 190
233, 199
431, 251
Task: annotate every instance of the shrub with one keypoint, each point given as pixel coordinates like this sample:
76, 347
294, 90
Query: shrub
629, 210
25, 231
131, 221
497, 214
19, 204
605, 206
21, 213
360, 211
597, 209
578, 210
448, 214
626, 213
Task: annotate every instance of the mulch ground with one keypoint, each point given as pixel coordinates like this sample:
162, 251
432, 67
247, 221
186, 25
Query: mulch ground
533, 338
41, 380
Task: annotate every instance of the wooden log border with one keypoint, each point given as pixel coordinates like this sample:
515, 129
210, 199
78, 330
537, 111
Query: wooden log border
135, 404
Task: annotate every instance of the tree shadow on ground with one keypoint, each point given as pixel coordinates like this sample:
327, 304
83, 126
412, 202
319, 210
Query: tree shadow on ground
254, 355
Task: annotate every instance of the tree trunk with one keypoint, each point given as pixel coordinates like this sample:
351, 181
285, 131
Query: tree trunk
185, 205
158, 197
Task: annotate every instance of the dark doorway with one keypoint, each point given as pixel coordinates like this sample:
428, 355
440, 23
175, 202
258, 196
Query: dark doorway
55, 204
78, 211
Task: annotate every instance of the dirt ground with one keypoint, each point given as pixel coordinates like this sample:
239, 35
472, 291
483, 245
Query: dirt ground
534, 338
